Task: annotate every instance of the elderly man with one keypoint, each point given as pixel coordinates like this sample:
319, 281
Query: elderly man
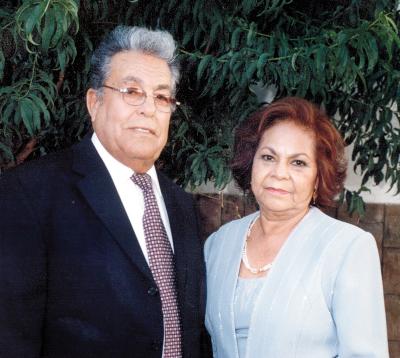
99, 252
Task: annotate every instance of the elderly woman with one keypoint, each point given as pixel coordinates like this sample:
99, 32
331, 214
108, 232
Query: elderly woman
289, 281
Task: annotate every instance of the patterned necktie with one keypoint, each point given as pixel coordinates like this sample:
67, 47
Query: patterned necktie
161, 259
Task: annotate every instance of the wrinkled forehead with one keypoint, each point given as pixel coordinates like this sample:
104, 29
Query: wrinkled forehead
143, 69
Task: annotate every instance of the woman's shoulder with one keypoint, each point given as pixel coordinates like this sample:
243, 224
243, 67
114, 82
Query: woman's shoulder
238, 223
329, 223
338, 235
227, 233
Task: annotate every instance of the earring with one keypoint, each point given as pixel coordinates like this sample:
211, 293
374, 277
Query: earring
314, 197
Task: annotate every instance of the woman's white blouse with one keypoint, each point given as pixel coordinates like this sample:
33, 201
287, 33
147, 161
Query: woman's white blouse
323, 297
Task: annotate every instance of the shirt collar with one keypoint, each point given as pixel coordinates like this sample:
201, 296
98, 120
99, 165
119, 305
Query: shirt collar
119, 171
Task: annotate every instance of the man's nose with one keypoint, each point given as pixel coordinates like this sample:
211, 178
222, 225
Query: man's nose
148, 107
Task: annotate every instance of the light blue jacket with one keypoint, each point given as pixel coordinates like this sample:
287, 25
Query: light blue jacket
322, 298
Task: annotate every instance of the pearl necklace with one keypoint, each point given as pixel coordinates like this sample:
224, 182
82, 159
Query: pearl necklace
245, 259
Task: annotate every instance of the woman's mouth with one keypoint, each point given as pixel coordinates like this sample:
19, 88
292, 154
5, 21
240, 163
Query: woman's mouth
277, 191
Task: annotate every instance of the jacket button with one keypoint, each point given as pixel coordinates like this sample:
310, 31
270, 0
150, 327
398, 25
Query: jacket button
156, 346
152, 291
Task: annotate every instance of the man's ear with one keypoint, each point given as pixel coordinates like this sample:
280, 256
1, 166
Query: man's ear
92, 103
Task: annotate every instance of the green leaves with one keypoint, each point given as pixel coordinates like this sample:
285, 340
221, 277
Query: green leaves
43, 23
345, 68
202, 66
342, 56
354, 201
2, 63
28, 102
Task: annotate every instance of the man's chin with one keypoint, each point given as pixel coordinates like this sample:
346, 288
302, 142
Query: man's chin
144, 154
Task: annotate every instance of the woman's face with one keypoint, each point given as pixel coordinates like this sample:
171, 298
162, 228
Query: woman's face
284, 170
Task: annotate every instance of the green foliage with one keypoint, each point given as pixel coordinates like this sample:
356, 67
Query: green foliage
342, 54
36, 46
354, 201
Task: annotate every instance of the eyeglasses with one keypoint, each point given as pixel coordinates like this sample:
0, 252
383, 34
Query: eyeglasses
136, 97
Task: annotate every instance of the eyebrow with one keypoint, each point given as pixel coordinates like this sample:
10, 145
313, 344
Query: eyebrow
140, 81
290, 156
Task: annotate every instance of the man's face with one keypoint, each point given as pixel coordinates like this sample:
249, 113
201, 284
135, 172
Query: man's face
134, 135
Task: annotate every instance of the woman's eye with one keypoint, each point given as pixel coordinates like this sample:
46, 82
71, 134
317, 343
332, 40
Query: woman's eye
299, 163
267, 157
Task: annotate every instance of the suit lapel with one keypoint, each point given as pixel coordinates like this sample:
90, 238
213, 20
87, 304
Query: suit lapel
98, 189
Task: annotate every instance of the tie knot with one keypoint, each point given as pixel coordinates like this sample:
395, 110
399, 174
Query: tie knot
143, 181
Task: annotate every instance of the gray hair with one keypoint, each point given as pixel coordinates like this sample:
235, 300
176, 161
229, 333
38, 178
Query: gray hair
126, 38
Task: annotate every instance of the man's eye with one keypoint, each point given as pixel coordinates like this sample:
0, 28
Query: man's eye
163, 99
134, 91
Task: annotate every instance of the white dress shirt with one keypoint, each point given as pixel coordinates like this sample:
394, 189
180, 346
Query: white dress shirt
131, 195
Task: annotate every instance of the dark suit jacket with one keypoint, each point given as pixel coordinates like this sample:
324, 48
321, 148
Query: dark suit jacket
73, 279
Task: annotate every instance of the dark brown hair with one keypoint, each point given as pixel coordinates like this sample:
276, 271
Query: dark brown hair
329, 149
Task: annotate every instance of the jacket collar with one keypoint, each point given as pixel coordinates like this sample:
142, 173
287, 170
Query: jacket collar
99, 191
98, 188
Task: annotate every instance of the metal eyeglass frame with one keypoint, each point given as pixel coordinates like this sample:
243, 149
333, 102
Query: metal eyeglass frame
172, 105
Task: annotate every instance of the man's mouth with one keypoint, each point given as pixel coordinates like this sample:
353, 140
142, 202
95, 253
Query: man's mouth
142, 130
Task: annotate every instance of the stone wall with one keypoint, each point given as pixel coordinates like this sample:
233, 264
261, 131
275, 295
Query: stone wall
382, 220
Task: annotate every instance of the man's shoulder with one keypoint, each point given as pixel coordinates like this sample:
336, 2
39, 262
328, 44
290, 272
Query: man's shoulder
50, 168
38, 180
49, 165
39, 167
